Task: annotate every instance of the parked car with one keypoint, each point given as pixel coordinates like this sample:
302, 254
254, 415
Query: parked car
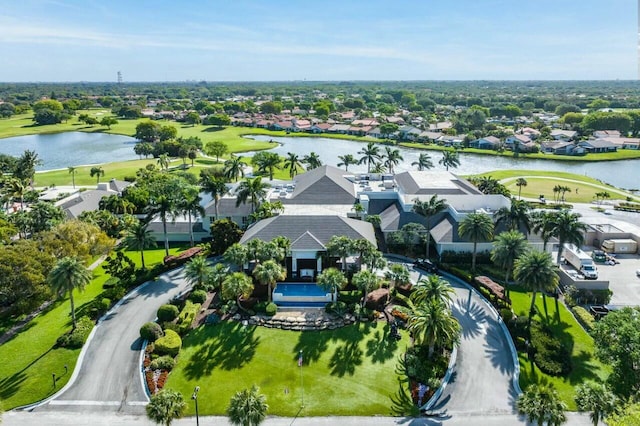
638, 272
426, 264
599, 256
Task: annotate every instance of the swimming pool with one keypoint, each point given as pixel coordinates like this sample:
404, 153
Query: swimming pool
299, 289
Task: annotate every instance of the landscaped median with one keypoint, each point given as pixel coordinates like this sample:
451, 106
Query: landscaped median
32, 357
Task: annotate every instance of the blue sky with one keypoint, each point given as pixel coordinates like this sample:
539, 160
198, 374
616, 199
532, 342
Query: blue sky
243, 40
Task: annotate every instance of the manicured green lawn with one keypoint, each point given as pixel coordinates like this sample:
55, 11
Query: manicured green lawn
585, 365
30, 359
348, 371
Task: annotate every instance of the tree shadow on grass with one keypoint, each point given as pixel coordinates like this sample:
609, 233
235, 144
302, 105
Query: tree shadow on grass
345, 359
213, 129
9, 386
401, 402
312, 344
227, 346
381, 347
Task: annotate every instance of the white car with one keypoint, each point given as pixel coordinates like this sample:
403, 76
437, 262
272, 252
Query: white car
638, 272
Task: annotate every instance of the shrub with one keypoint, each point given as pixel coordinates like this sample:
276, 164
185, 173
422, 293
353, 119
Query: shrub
186, 317
111, 282
584, 317
520, 327
104, 304
401, 313
337, 308
171, 326
506, 314
167, 313
352, 296
76, 338
261, 307
169, 344
198, 296
150, 331
549, 354
421, 368
116, 292
363, 313
271, 309
163, 363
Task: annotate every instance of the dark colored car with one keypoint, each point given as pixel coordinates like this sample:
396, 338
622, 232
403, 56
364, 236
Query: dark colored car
426, 264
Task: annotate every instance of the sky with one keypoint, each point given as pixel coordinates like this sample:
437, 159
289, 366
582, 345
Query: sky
328, 40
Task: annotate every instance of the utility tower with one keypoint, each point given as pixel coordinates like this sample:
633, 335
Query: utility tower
119, 77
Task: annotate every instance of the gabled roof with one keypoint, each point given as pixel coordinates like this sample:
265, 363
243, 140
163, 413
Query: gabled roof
307, 241
443, 231
323, 185
306, 229
227, 207
84, 201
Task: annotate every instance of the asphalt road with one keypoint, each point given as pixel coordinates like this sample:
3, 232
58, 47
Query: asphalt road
109, 377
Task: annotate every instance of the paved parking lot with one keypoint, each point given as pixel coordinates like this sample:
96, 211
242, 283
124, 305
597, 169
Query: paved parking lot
622, 279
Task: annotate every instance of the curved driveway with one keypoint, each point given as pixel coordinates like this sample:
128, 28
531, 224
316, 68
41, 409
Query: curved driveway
108, 377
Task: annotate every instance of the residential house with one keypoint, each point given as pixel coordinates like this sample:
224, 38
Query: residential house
601, 134
409, 132
489, 142
598, 145
516, 140
565, 135
83, 201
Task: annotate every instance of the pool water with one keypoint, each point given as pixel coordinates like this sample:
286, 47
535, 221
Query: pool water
290, 289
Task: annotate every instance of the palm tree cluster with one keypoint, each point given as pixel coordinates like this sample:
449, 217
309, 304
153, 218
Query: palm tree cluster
559, 192
376, 160
542, 405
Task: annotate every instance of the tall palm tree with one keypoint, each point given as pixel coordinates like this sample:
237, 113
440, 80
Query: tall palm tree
73, 171
97, 172
267, 162
433, 288
541, 223
331, 280
392, 158
236, 286
189, 203
340, 246
292, 162
139, 237
247, 407
424, 162
515, 217
597, 399
67, 275
567, 228
365, 281
252, 189
431, 323
507, 247
165, 406
450, 158
164, 206
17, 188
216, 187
269, 273
542, 404
197, 272
346, 161
312, 160
234, 168
536, 272
164, 161
428, 209
369, 154
476, 227
236, 254
520, 182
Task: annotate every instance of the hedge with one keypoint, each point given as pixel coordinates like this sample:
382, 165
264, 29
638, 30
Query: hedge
163, 363
271, 309
167, 313
150, 331
186, 317
584, 317
169, 344
549, 354
76, 338
198, 296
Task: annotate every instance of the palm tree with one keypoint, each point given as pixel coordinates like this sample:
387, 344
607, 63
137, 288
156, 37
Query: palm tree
431, 323
378, 168
165, 406
520, 182
597, 399
542, 404
346, 161
428, 209
450, 158
189, 203
541, 223
398, 275
567, 228
247, 407
331, 280
164, 206
507, 247
197, 272
96, 171
424, 162
214, 186
67, 275
234, 168
269, 273
236, 254
432, 288
164, 161
340, 246
514, 217
139, 237
369, 155
392, 158
73, 171
236, 286
17, 189
253, 189
365, 281
219, 272
536, 272
476, 227
267, 162
292, 163
312, 160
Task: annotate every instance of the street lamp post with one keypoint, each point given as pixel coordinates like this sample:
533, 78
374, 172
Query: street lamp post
194, 396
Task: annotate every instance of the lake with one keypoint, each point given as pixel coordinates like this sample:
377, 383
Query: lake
623, 174
61, 150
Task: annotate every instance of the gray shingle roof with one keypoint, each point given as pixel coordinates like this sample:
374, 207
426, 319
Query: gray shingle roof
227, 207
307, 241
323, 185
321, 228
433, 182
85, 201
443, 232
